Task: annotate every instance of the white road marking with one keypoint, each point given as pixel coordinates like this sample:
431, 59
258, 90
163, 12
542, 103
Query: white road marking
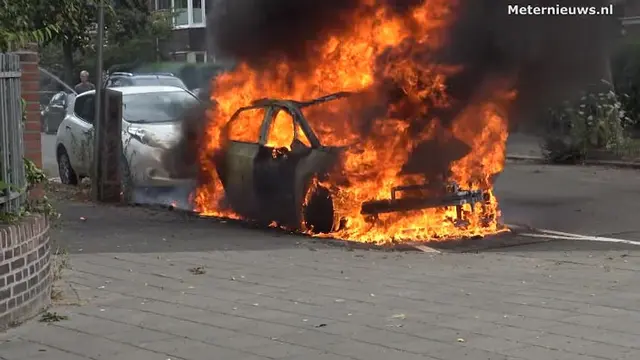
426, 249
559, 235
548, 236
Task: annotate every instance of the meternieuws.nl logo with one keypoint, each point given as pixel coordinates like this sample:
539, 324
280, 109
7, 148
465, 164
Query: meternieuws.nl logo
559, 10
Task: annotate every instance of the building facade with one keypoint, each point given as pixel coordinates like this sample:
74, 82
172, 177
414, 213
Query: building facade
190, 39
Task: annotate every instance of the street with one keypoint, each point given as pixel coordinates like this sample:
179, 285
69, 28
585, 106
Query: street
582, 200
153, 284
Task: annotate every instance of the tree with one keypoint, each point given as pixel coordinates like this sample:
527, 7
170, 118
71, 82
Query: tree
17, 26
75, 21
135, 33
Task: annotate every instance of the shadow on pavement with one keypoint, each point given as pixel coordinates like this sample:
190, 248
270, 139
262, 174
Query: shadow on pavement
90, 228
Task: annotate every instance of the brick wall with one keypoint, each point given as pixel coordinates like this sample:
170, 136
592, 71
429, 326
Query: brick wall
25, 270
30, 81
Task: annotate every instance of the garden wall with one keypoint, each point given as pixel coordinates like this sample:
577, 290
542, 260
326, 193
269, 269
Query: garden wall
25, 269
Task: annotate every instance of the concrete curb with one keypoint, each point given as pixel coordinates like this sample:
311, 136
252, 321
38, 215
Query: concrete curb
608, 163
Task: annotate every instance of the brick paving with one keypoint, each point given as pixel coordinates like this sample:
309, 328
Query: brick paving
146, 284
302, 299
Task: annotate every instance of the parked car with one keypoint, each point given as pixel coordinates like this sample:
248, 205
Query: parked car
52, 114
119, 79
151, 116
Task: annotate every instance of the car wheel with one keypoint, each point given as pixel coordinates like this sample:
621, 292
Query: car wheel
126, 181
65, 170
318, 213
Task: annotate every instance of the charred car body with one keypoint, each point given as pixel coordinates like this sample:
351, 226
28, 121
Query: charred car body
270, 183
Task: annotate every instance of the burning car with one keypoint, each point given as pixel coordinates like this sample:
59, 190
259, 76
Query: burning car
411, 155
285, 177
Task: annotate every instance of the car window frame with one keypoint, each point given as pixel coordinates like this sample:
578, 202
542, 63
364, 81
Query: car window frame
274, 110
83, 99
298, 121
227, 128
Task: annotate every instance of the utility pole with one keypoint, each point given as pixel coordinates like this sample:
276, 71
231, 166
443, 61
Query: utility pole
96, 176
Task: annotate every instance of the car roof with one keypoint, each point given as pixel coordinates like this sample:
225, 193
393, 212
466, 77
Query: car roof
154, 76
145, 76
126, 90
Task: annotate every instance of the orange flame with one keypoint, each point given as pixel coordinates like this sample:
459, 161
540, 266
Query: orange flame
350, 62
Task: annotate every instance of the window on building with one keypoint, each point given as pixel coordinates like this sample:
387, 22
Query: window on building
186, 13
201, 57
198, 11
179, 56
181, 8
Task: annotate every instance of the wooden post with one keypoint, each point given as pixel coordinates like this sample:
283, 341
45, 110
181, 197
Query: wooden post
110, 142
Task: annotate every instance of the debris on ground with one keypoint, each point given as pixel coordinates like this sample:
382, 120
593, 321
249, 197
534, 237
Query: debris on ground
198, 270
50, 317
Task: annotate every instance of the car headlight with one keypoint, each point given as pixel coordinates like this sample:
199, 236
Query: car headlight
145, 137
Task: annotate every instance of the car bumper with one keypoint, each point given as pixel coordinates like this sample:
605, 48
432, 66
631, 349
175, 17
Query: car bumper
147, 169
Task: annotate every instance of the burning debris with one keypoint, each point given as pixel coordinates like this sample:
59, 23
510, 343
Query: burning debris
434, 82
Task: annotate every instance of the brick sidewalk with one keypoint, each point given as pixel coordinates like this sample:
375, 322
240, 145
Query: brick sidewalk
143, 292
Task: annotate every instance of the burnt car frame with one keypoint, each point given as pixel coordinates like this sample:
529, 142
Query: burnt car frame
269, 184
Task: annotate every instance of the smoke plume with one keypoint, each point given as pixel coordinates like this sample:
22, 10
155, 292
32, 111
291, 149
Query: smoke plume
549, 58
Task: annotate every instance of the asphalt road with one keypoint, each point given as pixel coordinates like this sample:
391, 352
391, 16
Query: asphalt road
583, 200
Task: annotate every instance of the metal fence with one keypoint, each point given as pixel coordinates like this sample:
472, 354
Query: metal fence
12, 173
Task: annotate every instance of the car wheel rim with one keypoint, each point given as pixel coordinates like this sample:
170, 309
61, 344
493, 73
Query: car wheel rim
65, 169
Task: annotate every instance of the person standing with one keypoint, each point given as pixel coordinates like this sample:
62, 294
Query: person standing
84, 84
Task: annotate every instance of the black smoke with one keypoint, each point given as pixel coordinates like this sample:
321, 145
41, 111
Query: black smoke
548, 58
551, 56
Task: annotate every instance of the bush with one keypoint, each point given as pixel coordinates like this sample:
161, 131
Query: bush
595, 123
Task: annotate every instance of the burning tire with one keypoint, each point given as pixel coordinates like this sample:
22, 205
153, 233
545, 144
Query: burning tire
318, 212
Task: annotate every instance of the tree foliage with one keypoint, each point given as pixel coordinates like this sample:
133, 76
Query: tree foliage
76, 21
132, 19
132, 34
69, 23
17, 25
135, 33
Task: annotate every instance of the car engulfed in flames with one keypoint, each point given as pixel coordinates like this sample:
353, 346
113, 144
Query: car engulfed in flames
387, 156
